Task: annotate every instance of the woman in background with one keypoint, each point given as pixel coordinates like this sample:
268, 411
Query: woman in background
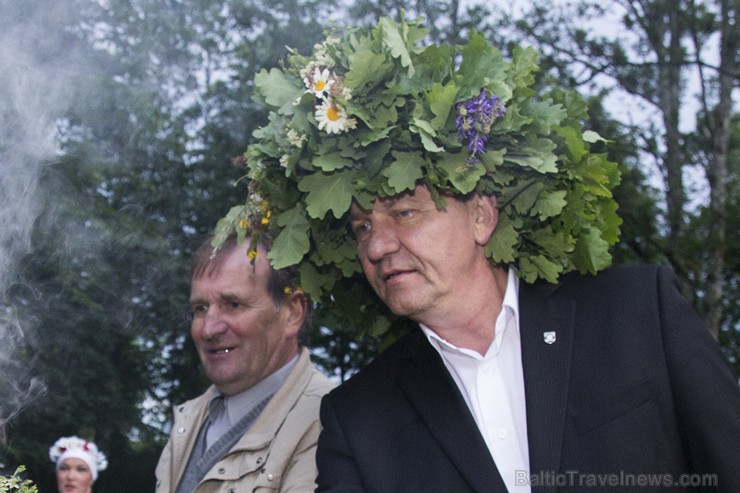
77, 462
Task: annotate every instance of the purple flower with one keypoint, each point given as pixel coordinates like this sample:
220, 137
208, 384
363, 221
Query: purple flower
474, 120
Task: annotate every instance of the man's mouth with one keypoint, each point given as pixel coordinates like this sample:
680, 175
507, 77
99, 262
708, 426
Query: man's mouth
225, 350
388, 276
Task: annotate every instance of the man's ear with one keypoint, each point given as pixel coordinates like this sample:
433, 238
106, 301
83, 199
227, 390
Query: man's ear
295, 308
485, 217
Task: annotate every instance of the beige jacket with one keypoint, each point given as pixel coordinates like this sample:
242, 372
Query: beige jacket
276, 454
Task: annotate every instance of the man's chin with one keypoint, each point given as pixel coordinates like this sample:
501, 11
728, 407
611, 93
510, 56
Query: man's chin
406, 308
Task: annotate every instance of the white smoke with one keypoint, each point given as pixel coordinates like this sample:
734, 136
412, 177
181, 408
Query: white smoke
33, 95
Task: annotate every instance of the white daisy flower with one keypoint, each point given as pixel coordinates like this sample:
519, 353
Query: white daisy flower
332, 118
320, 83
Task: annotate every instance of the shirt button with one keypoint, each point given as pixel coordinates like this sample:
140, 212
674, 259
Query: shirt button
502, 433
270, 477
181, 430
221, 470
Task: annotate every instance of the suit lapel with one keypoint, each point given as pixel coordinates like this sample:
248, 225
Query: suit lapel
435, 396
546, 326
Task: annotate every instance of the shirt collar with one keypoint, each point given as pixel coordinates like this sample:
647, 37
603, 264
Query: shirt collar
509, 310
511, 298
238, 405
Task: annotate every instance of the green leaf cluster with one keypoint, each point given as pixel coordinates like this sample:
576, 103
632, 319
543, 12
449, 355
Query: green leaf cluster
554, 195
16, 483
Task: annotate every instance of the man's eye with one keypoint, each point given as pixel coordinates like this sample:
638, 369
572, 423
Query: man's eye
198, 310
404, 213
361, 228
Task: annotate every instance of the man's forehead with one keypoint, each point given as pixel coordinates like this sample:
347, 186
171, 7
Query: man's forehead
384, 203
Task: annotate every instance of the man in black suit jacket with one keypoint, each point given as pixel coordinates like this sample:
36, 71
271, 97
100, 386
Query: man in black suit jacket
624, 387
458, 178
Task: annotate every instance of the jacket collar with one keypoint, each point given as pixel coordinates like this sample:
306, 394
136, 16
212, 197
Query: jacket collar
435, 396
266, 425
264, 428
546, 324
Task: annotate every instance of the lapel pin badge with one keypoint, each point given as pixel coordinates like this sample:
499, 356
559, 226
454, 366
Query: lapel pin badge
549, 337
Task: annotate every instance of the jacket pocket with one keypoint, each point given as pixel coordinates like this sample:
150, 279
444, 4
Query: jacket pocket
599, 412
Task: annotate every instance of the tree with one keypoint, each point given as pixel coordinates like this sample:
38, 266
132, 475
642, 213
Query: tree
715, 125
150, 123
649, 64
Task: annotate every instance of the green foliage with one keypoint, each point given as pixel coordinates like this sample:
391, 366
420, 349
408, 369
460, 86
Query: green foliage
399, 100
16, 483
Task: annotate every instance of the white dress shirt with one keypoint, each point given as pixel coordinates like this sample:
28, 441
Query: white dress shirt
493, 388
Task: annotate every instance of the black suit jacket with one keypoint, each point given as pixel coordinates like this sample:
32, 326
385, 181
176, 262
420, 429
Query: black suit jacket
633, 389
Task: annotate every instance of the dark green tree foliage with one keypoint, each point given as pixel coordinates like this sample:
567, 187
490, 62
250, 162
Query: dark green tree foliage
75, 299
158, 111
702, 226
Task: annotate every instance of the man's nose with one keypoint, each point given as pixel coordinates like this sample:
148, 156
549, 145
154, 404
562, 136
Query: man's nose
382, 241
213, 323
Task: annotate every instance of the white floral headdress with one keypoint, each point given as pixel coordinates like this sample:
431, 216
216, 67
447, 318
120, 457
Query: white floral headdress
78, 448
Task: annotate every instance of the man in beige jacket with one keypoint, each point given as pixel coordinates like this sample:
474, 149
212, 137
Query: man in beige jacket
257, 426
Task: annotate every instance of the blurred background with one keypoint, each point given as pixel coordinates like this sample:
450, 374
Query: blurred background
119, 121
